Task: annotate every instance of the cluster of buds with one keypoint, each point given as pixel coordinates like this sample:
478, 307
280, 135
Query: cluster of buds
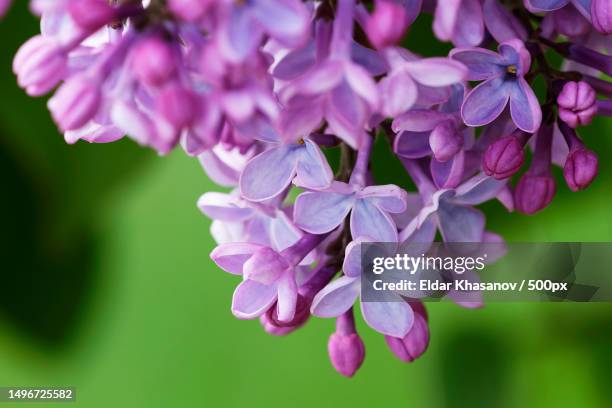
260, 90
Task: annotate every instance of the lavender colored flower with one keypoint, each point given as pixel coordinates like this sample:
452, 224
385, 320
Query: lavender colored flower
503, 74
261, 91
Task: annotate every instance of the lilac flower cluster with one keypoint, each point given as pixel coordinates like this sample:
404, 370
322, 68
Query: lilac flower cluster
260, 90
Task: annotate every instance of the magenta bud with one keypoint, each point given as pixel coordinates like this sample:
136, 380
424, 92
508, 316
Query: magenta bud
387, 24
601, 14
91, 15
346, 352
154, 61
414, 344
75, 103
178, 105
577, 103
445, 141
40, 64
581, 168
4, 6
504, 157
533, 193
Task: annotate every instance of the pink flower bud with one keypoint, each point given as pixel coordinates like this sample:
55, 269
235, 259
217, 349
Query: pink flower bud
445, 141
75, 103
387, 24
533, 192
601, 14
346, 352
154, 61
577, 103
581, 168
414, 344
91, 15
39, 64
4, 6
504, 157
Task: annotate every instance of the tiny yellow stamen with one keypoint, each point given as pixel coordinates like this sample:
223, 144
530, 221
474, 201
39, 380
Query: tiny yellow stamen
300, 141
511, 69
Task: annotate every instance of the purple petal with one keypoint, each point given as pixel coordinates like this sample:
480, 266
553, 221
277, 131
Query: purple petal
437, 71
225, 207
368, 58
241, 36
398, 93
231, 257
445, 19
485, 102
268, 174
252, 299
321, 212
320, 79
469, 29
478, 189
351, 265
390, 318
287, 297
368, 220
459, 223
448, 174
313, 171
501, 23
481, 63
389, 198
295, 63
412, 145
419, 120
346, 114
514, 52
287, 20
265, 266
545, 5
362, 84
524, 107
336, 298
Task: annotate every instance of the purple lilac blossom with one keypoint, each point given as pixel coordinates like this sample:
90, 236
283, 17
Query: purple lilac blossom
260, 91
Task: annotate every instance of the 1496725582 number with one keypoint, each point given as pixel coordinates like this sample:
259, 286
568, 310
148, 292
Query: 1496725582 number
34, 394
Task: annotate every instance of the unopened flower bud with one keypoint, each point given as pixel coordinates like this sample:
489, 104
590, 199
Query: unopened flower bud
504, 157
414, 344
577, 103
445, 141
601, 14
533, 192
153, 61
581, 167
4, 6
39, 64
387, 24
91, 15
345, 348
75, 103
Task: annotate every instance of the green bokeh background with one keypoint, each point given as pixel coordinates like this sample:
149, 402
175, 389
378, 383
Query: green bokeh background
107, 286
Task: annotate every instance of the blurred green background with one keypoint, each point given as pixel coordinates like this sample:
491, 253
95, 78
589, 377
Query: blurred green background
107, 286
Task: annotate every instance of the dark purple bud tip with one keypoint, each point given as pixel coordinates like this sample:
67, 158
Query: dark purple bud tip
503, 157
601, 13
445, 141
581, 167
346, 352
414, 344
533, 193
